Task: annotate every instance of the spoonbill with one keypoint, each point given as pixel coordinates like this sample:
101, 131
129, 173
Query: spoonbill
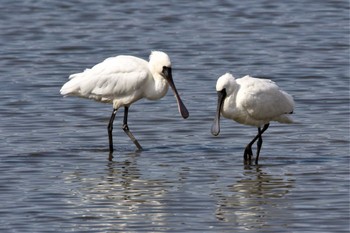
123, 80
251, 101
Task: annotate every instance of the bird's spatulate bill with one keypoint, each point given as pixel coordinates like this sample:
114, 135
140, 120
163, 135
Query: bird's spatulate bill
215, 128
182, 108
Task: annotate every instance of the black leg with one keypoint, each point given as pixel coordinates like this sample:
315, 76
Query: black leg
110, 129
126, 129
260, 141
248, 150
248, 153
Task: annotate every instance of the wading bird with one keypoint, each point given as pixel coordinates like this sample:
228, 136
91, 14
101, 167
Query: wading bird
251, 101
123, 80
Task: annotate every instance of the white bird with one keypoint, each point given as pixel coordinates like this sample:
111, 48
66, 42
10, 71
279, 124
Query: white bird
251, 101
123, 80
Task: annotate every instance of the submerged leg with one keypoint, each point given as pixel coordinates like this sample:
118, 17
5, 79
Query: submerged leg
126, 129
248, 153
260, 141
248, 150
110, 129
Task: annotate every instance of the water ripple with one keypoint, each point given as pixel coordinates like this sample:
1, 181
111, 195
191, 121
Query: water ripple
54, 167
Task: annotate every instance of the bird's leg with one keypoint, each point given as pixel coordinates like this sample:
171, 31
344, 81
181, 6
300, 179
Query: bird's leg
110, 129
126, 129
248, 152
260, 141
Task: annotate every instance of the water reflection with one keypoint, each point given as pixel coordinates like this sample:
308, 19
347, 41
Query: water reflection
121, 199
255, 200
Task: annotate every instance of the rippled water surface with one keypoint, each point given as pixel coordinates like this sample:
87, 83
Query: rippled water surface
54, 170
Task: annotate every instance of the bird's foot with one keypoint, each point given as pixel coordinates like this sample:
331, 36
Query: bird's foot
257, 161
248, 153
110, 157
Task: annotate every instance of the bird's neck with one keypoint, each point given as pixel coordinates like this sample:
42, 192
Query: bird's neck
157, 88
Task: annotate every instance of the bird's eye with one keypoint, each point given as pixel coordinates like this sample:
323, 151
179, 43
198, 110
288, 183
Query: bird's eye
166, 71
224, 91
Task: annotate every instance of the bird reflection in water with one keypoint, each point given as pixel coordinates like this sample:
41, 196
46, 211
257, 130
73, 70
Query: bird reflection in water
256, 201
122, 197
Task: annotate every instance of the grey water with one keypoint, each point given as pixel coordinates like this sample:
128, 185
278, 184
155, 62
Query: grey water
55, 175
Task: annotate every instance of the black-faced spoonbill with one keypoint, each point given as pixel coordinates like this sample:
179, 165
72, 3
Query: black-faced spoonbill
251, 101
123, 80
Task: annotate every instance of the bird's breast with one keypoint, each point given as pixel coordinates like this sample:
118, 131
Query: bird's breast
156, 89
231, 110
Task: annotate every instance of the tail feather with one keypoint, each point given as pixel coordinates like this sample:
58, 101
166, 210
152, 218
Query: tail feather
72, 87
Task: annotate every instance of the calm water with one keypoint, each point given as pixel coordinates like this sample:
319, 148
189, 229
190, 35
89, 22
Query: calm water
54, 171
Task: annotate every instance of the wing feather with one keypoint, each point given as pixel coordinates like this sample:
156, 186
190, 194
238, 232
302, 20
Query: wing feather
114, 77
263, 99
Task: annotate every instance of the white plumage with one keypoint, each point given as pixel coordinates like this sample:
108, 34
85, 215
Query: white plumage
122, 80
251, 101
111, 81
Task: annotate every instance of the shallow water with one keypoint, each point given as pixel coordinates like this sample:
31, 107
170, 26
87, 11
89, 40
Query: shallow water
54, 168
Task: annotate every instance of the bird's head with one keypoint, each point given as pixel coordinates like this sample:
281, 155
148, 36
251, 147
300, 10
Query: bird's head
160, 64
226, 83
224, 86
